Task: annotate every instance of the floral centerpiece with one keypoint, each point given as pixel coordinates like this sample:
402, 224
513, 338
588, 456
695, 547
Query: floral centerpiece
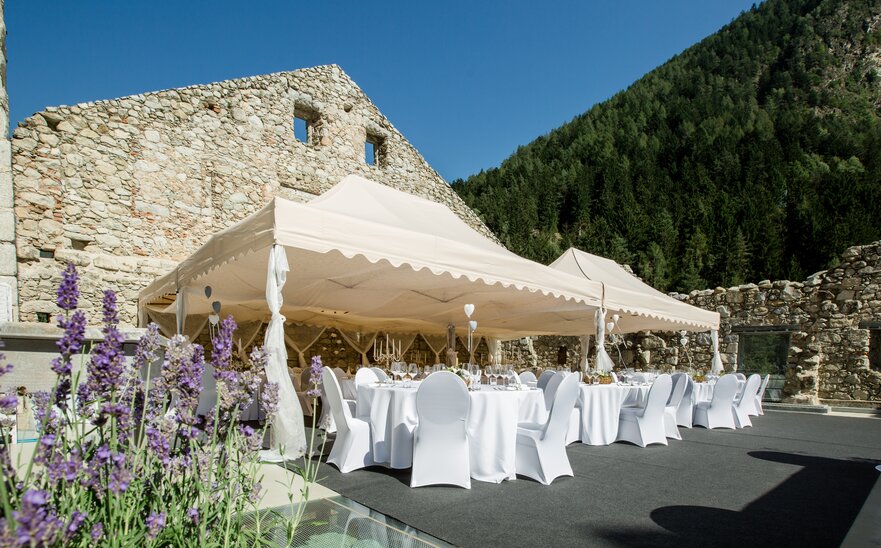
126, 460
462, 374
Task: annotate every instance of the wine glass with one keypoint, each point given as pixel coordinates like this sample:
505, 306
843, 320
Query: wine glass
414, 371
398, 370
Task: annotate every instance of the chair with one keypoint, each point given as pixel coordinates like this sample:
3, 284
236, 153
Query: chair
527, 377
639, 377
573, 429
380, 374
544, 378
365, 375
614, 377
645, 425
550, 389
740, 376
440, 440
685, 413
761, 394
541, 448
680, 383
352, 448
747, 401
718, 412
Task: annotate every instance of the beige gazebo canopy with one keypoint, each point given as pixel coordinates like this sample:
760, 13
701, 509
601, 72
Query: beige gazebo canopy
640, 306
366, 257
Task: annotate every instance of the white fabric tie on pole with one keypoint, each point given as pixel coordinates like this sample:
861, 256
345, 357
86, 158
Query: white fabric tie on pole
717, 359
288, 435
436, 343
495, 349
604, 362
180, 315
585, 352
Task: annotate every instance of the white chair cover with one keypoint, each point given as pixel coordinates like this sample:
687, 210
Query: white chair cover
351, 449
380, 374
527, 377
550, 389
718, 412
680, 384
544, 378
541, 448
747, 402
761, 394
365, 375
645, 425
685, 413
716, 367
288, 433
604, 362
440, 441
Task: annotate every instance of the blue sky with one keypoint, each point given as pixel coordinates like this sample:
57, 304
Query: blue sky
466, 82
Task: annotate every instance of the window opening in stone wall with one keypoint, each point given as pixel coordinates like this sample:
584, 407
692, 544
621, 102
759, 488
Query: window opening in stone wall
373, 150
875, 349
43, 317
765, 353
47, 254
78, 245
301, 129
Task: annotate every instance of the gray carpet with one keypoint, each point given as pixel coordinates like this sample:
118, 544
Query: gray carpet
792, 479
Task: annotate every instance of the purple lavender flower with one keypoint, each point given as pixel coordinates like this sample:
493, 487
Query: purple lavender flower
69, 345
221, 345
68, 292
76, 521
105, 369
193, 514
97, 531
315, 377
38, 524
270, 399
8, 403
155, 523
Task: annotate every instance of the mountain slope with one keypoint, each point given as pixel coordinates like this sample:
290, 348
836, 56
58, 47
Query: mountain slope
754, 154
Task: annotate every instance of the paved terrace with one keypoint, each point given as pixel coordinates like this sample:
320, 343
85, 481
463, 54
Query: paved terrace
793, 479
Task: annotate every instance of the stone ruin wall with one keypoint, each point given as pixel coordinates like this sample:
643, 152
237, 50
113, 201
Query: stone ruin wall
125, 188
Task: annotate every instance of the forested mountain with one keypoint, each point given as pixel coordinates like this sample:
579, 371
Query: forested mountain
754, 154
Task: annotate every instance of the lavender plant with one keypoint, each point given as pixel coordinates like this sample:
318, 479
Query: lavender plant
128, 460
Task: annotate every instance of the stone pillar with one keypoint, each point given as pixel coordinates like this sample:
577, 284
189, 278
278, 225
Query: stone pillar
8, 266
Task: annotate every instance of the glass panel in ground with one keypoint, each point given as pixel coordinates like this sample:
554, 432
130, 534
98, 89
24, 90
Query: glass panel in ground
763, 353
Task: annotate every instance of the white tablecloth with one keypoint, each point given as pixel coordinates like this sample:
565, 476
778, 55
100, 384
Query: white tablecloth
600, 407
491, 426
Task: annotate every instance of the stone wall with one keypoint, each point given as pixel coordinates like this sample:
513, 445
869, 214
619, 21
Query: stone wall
127, 187
8, 266
828, 317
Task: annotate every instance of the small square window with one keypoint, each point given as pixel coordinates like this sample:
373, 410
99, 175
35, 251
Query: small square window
47, 254
43, 317
301, 129
373, 150
370, 153
78, 245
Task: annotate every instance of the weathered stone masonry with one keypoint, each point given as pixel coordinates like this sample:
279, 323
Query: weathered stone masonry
125, 188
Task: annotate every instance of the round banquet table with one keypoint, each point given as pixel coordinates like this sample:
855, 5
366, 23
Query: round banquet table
491, 426
601, 406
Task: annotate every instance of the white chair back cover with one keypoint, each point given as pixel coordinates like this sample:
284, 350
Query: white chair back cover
762, 388
365, 375
527, 377
685, 413
639, 377
680, 383
614, 377
740, 377
747, 403
565, 395
551, 389
340, 374
658, 395
440, 444
334, 397
723, 392
380, 374
442, 405
544, 378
